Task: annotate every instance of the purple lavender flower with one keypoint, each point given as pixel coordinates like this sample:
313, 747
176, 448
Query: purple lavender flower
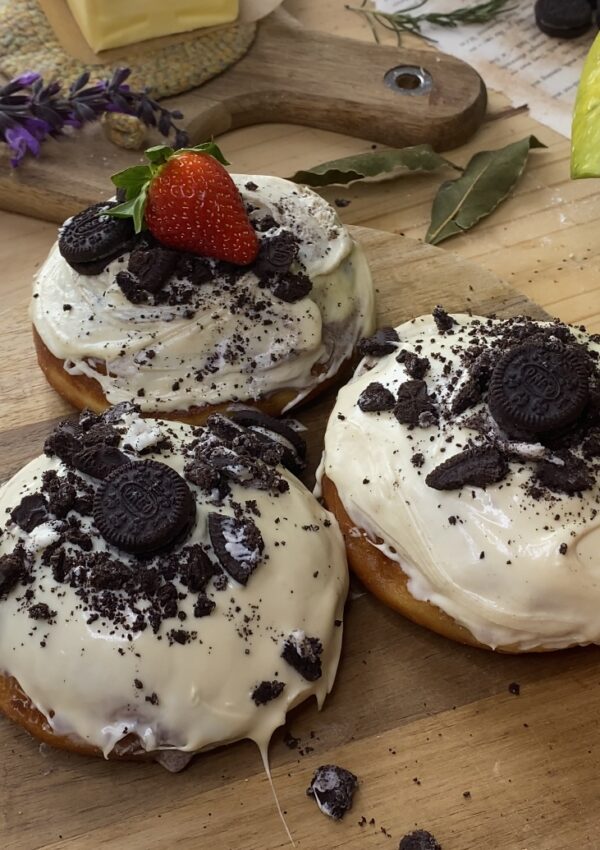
30, 112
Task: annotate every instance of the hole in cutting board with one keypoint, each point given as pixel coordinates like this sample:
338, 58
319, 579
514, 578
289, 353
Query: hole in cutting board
408, 79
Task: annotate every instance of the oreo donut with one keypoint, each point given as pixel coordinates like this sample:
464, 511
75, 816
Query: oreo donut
164, 589
119, 317
462, 464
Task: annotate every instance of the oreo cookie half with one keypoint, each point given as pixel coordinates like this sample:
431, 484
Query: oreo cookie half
563, 18
90, 236
143, 507
537, 389
238, 545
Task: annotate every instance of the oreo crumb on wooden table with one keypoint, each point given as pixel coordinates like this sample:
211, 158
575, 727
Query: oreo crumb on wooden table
420, 839
333, 789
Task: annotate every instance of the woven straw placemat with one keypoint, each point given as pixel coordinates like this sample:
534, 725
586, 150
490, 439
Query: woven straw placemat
27, 42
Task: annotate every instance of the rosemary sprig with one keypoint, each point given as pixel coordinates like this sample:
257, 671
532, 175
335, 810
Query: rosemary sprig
404, 21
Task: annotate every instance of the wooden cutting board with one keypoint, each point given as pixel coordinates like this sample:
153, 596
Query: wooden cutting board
420, 720
290, 75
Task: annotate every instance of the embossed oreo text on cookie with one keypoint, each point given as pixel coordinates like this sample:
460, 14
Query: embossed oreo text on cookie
143, 507
538, 389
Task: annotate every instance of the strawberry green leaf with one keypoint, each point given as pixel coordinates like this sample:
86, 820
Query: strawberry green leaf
159, 154
132, 208
209, 148
132, 179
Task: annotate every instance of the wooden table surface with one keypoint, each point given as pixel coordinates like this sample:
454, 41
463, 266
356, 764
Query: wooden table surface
544, 241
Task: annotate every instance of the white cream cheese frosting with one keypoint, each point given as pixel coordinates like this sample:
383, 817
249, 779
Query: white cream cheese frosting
233, 341
515, 566
99, 679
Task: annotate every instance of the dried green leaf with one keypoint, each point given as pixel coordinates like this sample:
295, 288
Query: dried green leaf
385, 164
484, 184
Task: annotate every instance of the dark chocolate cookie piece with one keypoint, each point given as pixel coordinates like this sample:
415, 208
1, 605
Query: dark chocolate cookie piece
90, 236
416, 367
30, 512
99, 460
570, 475
276, 255
303, 653
267, 691
238, 545
468, 396
203, 606
276, 431
11, 571
291, 287
130, 287
414, 406
333, 789
152, 266
443, 320
64, 441
375, 397
144, 507
538, 389
420, 839
384, 341
563, 18
476, 467
97, 266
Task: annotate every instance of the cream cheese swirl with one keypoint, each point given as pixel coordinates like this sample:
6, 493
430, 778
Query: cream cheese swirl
514, 568
237, 341
95, 680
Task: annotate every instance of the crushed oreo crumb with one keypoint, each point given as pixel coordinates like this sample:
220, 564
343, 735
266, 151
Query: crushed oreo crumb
420, 839
375, 397
333, 789
304, 655
267, 691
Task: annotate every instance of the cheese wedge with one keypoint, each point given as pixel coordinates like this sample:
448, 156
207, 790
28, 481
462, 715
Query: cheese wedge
116, 23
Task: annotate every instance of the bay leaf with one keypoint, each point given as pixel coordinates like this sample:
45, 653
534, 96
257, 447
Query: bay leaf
483, 185
384, 164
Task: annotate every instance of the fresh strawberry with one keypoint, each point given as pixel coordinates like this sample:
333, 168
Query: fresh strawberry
188, 201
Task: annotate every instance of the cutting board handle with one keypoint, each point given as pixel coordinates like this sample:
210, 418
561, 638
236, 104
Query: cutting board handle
386, 94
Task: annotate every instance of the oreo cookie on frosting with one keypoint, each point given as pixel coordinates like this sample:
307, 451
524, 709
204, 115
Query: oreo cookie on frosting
91, 239
461, 462
136, 570
184, 334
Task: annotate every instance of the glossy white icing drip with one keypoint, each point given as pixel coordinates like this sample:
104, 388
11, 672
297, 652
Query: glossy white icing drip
523, 591
100, 327
85, 687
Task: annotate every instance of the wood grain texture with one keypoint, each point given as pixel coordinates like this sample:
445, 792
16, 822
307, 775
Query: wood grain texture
420, 719
289, 74
407, 705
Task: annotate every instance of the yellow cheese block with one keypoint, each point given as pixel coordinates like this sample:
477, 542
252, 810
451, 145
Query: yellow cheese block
115, 23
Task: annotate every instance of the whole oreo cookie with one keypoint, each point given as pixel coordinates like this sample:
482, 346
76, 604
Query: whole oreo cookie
563, 18
537, 389
143, 507
90, 237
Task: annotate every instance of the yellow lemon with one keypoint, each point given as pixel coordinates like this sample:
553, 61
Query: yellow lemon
585, 144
